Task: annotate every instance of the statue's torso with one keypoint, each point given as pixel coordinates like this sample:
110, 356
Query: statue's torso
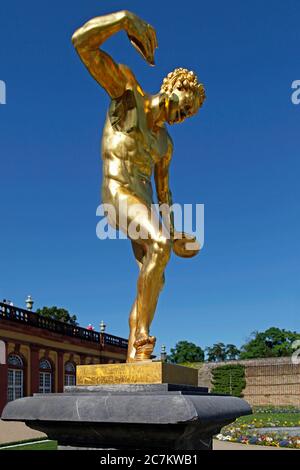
130, 148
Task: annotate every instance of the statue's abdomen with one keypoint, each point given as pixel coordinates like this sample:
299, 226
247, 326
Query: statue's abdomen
126, 162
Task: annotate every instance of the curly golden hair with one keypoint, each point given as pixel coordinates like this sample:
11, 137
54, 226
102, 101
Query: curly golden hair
183, 79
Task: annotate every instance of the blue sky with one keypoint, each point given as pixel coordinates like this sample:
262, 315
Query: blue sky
239, 156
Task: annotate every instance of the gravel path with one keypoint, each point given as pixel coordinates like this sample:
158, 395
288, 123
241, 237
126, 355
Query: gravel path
292, 431
12, 432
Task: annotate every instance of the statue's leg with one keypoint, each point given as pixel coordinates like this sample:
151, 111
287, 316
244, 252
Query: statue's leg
139, 254
157, 249
132, 329
150, 283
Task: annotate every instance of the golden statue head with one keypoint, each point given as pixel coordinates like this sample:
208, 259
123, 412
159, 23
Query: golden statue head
185, 95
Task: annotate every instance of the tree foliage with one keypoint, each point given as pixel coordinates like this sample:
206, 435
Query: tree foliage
229, 379
186, 352
59, 314
273, 342
232, 352
217, 352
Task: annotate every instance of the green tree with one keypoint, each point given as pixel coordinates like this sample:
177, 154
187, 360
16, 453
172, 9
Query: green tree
56, 313
229, 379
186, 352
232, 352
273, 342
216, 353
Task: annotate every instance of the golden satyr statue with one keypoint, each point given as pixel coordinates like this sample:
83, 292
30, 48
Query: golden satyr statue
135, 145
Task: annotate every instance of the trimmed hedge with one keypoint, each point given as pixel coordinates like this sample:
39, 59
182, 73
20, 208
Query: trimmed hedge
229, 379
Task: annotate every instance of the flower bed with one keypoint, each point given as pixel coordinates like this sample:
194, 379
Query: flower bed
271, 439
245, 430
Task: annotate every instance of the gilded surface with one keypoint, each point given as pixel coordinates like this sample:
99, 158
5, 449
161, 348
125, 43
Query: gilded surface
136, 373
135, 146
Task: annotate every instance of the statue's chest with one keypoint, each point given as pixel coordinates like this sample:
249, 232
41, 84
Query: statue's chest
155, 143
127, 115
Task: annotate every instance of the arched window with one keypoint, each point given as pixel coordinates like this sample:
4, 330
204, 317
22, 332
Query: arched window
70, 374
45, 376
15, 386
45, 364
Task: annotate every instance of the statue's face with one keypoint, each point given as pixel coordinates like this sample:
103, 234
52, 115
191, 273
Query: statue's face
182, 104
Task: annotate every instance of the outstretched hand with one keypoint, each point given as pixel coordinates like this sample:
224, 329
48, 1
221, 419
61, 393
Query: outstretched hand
185, 245
142, 36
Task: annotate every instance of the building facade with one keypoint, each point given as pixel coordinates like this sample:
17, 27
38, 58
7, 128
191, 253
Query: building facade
40, 355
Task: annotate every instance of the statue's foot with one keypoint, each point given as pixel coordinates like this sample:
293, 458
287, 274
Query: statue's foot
144, 348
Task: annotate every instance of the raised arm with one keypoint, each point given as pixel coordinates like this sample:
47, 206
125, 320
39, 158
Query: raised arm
87, 40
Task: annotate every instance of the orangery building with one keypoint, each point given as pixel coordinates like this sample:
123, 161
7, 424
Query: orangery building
40, 355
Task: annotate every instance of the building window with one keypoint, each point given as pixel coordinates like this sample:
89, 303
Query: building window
45, 378
70, 374
15, 388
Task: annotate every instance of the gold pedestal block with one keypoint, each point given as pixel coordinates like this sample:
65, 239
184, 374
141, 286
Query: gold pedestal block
136, 373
